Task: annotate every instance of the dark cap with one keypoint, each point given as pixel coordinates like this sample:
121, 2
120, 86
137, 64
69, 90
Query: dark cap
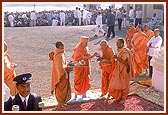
23, 78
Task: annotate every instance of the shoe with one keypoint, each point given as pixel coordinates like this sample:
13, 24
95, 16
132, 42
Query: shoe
104, 34
95, 35
112, 36
107, 38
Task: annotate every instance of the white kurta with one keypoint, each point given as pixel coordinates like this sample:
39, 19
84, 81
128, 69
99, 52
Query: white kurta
99, 25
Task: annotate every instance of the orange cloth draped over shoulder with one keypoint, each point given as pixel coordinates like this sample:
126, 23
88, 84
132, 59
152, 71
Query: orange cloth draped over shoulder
81, 73
119, 84
9, 74
140, 54
60, 79
129, 36
107, 68
149, 34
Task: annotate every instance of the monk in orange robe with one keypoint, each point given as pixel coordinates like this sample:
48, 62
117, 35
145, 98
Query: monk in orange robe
106, 63
82, 72
9, 72
148, 31
119, 84
60, 78
129, 35
139, 50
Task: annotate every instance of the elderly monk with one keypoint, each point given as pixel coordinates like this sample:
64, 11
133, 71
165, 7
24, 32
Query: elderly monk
148, 31
139, 50
60, 77
106, 63
9, 72
129, 35
82, 72
119, 84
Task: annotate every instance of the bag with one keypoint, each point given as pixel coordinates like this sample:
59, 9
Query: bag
51, 55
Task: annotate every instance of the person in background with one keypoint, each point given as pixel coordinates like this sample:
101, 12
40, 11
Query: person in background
124, 24
154, 45
99, 25
119, 17
76, 16
129, 35
131, 15
139, 49
148, 31
62, 18
153, 22
11, 19
54, 22
138, 17
80, 17
110, 24
33, 18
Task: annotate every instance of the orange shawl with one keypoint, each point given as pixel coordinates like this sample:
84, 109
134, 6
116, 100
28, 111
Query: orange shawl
58, 71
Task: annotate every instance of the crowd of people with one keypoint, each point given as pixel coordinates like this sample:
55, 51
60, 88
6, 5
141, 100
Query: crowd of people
116, 67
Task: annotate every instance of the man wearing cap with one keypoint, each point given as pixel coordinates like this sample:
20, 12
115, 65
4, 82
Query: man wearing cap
129, 35
82, 73
9, 72
148, 31
24, 99
154, 45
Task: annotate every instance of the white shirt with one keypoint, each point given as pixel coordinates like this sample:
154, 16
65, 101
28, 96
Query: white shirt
154, 42
10, 18
80, 14
131, 14
33, 16
62, 15
23, 98
154, 20
139, 14
99, 20
85, 14
76, 14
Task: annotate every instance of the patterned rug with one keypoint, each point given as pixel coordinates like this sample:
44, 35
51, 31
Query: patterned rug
132, 103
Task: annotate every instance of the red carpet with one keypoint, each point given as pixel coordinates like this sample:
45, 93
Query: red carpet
132, 103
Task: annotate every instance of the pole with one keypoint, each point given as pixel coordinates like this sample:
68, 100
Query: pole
34, 7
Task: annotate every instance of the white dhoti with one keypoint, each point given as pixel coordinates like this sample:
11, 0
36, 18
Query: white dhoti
97, 29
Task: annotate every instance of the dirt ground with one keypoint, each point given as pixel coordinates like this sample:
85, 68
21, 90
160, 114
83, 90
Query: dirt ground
29, 48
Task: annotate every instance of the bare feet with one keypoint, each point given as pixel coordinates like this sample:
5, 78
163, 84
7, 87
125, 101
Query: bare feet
75, 96
65, 105
108, 96
59, 107
83, 96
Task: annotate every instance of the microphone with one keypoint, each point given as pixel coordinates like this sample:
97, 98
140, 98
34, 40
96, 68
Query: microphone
15, 108
41, 104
